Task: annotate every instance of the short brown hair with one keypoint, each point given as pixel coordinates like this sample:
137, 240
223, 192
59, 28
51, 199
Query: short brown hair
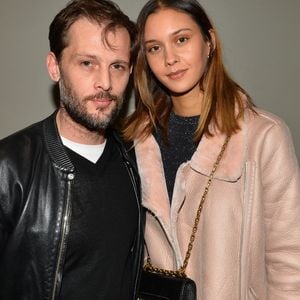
100, 11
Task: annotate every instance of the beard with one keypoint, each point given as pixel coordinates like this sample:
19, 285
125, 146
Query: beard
77, 109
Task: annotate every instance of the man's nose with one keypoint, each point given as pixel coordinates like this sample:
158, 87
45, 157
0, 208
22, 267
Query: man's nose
103, 80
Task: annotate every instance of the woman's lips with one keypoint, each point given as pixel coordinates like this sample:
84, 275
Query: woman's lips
177, 74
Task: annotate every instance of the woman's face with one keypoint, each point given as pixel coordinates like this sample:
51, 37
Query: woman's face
175, 50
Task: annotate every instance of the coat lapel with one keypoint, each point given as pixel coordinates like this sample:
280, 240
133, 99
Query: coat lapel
154, 190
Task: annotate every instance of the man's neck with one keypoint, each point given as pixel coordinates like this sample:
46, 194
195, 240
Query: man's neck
75, 132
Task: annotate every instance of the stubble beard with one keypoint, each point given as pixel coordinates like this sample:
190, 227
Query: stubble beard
77, 109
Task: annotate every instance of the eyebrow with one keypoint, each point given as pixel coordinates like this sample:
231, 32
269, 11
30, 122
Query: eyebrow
172, 34
90, 56
85, 55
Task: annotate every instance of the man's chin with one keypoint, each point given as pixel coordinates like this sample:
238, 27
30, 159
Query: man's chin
103, 119
95, 120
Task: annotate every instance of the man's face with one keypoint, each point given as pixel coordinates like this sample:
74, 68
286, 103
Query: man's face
93, 75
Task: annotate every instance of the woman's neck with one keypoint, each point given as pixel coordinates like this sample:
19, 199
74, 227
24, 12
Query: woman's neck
187, 105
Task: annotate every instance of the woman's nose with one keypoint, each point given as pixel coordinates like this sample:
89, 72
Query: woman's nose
171, 57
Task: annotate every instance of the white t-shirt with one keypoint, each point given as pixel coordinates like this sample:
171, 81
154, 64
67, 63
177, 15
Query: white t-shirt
90, 152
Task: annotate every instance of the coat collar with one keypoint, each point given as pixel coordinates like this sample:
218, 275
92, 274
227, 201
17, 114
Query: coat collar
231, 165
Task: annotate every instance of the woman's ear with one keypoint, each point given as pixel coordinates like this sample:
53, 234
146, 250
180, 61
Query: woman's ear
212, 42
53, 67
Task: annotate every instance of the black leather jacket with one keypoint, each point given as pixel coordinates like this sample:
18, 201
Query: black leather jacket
35, 206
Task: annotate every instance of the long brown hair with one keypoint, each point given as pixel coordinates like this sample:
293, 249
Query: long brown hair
223, 100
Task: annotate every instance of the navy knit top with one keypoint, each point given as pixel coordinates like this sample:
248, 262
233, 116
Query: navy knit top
180, 146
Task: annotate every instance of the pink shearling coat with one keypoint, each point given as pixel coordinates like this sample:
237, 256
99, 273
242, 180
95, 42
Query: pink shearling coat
248, 241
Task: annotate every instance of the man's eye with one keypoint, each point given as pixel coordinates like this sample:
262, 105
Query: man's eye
119, 67
86, 63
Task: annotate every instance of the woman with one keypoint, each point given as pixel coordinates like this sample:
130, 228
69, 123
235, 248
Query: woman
247, 245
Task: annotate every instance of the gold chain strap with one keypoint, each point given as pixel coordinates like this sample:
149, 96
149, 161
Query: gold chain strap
181, 271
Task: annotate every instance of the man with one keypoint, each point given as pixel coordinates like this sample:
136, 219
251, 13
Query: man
70, 216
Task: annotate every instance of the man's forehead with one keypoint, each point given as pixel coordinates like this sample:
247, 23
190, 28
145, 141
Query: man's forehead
84, 35
103, 30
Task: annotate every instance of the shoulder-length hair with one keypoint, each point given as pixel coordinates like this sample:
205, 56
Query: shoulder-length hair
224, 101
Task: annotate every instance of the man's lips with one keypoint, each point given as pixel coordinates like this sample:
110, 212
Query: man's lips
177, 74
102, 99
102, 102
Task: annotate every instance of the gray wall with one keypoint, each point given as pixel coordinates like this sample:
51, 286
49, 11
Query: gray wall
259, 37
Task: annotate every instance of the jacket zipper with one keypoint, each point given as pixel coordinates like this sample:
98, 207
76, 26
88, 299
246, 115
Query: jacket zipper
64, 233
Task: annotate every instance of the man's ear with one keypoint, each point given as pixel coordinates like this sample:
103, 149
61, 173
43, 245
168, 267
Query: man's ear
52, 66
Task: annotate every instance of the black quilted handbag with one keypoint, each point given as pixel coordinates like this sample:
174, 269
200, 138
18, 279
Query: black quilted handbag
155, 286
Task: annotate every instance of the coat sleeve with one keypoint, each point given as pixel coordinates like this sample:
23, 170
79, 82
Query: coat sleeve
11, 194
3, 206
281, 196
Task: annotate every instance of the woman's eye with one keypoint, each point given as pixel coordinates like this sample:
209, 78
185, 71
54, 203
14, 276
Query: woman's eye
182, 40
153, 49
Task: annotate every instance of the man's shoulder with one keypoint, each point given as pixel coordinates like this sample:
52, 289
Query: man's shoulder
23, 139
19, 136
